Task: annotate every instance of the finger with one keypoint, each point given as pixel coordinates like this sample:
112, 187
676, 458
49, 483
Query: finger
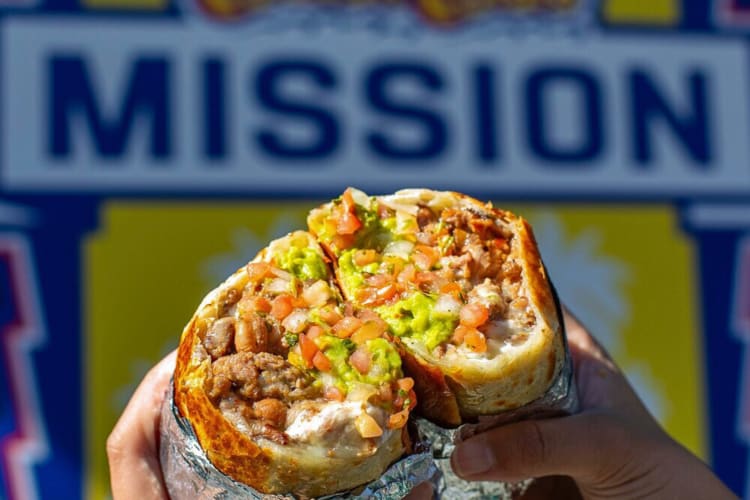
133, 445
423, 491
577, 446
557, 487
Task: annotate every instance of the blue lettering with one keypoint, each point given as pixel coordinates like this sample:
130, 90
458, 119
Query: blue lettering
268, 85
214, 109
377, 83
691, 127
486, 109
70, 92
592, 136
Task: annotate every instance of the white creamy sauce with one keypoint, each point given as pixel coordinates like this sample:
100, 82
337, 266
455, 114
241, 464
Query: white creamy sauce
308, 423
331, 426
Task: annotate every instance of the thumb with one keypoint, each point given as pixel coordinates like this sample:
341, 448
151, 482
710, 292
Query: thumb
582, 446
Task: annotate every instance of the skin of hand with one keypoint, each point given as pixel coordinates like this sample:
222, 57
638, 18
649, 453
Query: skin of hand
613, 448
133, 445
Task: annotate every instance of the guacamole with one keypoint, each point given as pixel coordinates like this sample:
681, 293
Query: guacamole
303, 263
416, 317
385, 368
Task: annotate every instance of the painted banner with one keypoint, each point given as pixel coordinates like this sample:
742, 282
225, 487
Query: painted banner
150, 147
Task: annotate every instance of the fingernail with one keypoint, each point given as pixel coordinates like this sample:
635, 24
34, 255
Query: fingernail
472, 458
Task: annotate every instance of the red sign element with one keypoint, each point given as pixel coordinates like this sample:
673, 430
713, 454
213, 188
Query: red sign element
21, 334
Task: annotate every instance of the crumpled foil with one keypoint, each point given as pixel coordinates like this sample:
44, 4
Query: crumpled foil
190, 475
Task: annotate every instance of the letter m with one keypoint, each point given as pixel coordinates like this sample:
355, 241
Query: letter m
71, 94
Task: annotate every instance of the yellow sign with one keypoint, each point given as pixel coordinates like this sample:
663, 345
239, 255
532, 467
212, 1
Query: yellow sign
638, 12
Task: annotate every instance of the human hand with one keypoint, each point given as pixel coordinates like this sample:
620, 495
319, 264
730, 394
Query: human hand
613, 448
133, 445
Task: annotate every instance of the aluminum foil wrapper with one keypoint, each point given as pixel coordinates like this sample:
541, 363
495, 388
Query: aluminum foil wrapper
189, 475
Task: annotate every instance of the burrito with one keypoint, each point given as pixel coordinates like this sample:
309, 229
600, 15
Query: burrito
288, 388
300, 372
462, 288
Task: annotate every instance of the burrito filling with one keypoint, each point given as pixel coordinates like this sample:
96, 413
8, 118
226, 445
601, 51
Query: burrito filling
440, 277
292, 364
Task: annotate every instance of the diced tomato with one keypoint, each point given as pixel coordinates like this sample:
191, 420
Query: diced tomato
407, 275
348, 223
369, 330
425, 256
459, 334
405, 384
475, 341
398, 420
314, 332
377, 296
299, 301
342, 241
346, 327
321, 362
378, 280
474, 315
254, 304
256, 271
307, 349
330, 315
422, 261
387, 292
405, 398
262, 305
332, 393
451, 288
281, 307
368, 315
425, 280
364, 257
383, 211
361, 360
500, 243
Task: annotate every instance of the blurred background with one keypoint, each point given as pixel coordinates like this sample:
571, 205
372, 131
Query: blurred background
148, 148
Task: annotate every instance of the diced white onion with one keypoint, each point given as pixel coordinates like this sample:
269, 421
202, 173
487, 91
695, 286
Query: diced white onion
295, 322
280, 273
278, 286
400, 248
361, 392
317, 294
447, 304
409, 208
360, 198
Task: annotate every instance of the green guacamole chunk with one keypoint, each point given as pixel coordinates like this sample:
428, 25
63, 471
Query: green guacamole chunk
303, 263
416, 317
375, 233
385, 366
352, 276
